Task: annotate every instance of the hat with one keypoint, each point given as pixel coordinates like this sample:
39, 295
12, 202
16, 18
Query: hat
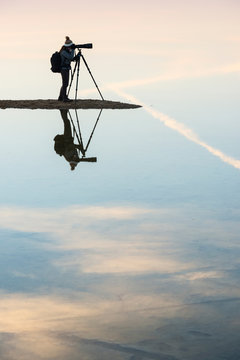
73, 164
68, 42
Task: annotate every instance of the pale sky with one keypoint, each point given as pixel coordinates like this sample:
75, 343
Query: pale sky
131, 40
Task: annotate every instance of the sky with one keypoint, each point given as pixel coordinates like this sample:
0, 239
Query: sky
132, 41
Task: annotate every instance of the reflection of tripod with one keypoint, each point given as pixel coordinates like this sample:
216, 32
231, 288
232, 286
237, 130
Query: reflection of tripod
77, 133
77, 67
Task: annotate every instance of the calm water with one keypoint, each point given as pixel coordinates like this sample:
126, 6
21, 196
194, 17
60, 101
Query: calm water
134, 256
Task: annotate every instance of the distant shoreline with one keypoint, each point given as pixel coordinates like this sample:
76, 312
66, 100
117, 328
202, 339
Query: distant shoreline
50, 104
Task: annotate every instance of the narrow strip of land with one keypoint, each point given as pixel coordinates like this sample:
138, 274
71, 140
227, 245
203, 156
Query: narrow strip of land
55, 104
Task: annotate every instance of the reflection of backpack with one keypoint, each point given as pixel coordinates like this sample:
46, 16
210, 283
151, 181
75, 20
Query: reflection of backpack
59, 145
56, 62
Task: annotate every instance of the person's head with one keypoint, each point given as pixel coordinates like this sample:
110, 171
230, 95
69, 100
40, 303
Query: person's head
68, 42
73, 164
67, 45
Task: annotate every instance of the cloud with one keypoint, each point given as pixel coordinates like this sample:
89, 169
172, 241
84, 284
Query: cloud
175, 75
122, 260
44, 326
103, 254
202, 275
114, 239
61, 220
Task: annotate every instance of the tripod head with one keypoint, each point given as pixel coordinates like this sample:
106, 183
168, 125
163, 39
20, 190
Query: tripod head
77, 57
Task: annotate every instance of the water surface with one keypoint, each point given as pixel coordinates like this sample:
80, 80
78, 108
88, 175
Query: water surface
134, 256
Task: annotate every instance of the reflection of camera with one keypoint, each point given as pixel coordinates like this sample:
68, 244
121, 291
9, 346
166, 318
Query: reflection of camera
82, 46
89, 159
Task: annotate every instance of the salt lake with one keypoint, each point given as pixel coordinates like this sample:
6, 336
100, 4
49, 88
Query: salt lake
134, 255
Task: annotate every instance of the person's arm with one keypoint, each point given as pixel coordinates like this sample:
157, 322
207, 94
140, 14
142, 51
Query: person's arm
68, 55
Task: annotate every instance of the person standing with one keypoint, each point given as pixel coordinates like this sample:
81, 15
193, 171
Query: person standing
67, 55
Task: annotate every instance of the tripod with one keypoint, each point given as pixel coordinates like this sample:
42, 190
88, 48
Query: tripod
78, 57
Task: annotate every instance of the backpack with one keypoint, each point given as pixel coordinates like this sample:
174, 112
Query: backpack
56, 62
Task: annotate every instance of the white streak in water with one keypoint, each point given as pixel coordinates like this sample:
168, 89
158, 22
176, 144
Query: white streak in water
181, 129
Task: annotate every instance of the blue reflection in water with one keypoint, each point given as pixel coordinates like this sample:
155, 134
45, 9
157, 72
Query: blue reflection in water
135, 256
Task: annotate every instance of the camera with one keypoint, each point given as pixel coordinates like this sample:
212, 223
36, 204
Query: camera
82, 46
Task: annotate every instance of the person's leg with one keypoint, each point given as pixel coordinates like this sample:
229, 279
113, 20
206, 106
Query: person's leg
65, 81
67, 124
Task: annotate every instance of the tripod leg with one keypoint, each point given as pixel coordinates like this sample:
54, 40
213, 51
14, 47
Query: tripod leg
72, 76
78, 135
90, 138
92, 76
78, 66
81, 147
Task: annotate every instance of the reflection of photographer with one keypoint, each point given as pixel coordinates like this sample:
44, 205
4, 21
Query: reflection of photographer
64, 144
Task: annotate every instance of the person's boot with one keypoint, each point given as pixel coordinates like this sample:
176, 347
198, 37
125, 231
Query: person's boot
67, 100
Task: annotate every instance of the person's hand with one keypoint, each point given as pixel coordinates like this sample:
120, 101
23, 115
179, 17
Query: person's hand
76, 57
